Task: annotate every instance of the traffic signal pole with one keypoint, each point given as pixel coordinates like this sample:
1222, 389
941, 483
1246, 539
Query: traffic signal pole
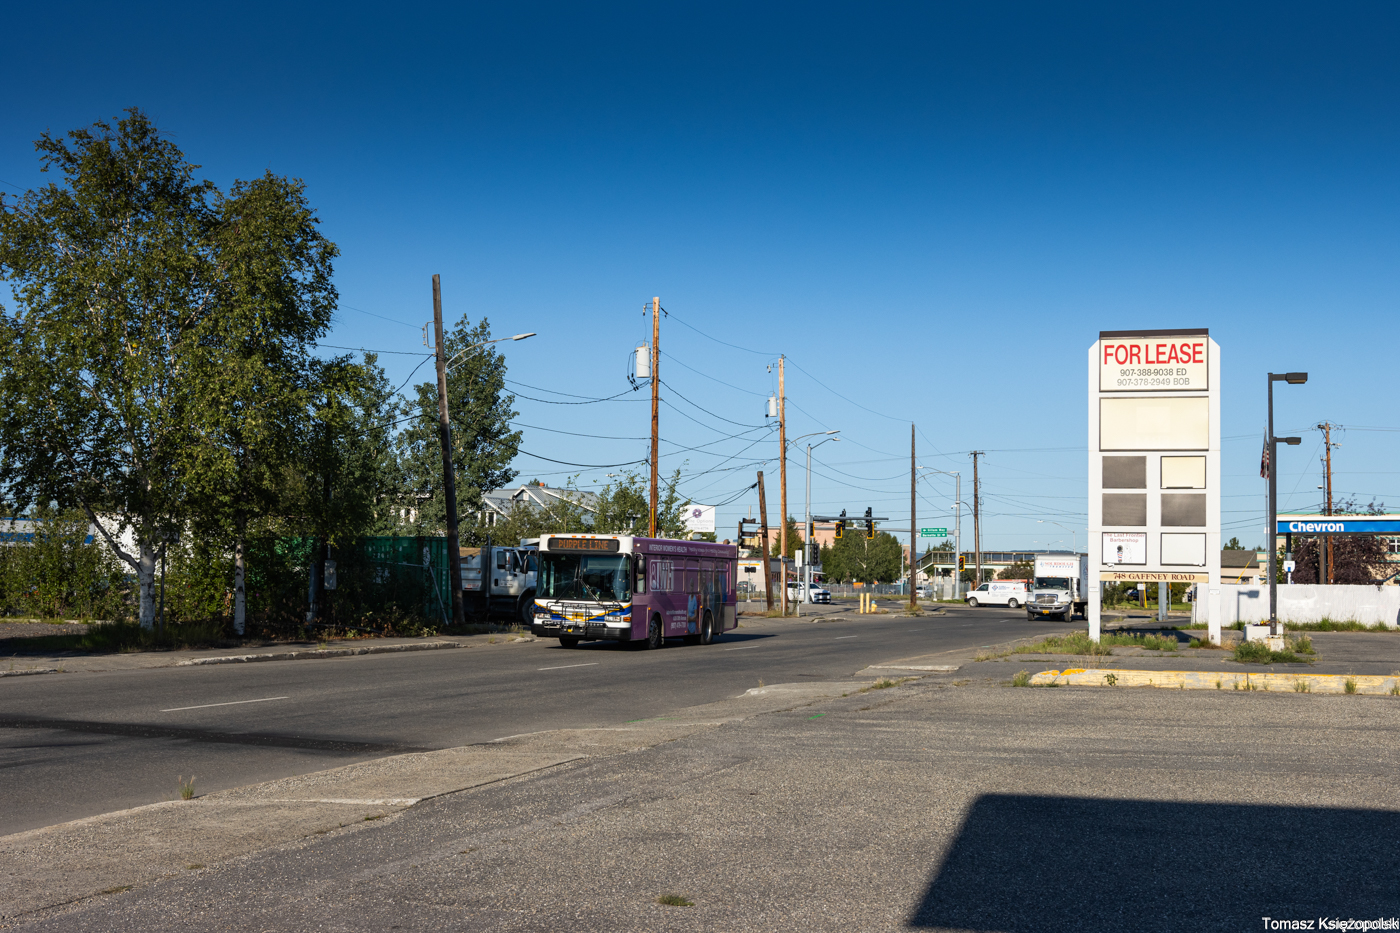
767, 560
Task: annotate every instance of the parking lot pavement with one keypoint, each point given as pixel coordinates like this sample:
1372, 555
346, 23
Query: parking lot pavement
943, 803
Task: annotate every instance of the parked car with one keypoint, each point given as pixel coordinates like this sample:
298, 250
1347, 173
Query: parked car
1009, 593
820, 594
923, 591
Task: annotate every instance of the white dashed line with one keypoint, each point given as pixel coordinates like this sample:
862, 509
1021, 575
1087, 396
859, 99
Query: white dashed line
839, 637
743, 647
177, 709
562, 666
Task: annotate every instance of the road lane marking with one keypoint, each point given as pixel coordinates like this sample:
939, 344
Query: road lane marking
743, 647
562, 666
839, 637
177, 709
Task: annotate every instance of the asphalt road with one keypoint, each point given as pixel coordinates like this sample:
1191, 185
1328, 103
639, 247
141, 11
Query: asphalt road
77, 745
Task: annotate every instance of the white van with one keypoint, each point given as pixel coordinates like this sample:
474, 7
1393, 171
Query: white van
1009, 593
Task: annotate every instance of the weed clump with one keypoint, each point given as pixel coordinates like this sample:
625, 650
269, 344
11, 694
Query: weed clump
674, 900
186, 788
1021, 679
1257, 652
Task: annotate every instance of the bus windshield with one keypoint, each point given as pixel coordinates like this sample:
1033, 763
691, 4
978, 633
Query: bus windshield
597, 577
1052, 583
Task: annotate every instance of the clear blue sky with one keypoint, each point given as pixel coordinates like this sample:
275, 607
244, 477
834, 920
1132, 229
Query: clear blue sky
932, 209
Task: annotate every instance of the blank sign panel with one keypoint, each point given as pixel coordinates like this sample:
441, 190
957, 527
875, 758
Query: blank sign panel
1183, 472
1184, 550
1154, 423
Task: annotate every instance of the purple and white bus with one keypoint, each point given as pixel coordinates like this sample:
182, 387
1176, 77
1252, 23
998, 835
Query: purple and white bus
637, 590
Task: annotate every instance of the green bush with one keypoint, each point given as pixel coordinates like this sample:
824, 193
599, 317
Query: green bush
59, 574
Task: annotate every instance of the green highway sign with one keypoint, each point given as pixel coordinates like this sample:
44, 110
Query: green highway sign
933, 532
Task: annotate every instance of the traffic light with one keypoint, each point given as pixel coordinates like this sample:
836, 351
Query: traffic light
869, 525
841, 524
962, 562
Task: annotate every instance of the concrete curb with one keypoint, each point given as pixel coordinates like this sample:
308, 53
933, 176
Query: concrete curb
1368, 684
317, 653
32, 670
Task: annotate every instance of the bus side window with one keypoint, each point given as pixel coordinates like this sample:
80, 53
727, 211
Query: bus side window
641, 573
722, 583
692, 576
707, 581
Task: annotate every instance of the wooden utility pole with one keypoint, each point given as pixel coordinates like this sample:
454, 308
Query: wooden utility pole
782, 482
1326, 427
913, 528
449, 480
763, 527
977, 517
655, 403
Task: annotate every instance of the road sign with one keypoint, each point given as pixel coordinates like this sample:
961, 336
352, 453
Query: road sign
933, 532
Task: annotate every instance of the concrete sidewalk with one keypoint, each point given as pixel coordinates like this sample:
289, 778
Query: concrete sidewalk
937, 804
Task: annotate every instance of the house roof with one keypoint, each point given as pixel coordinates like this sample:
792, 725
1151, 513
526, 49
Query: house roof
1239, 558
503, 500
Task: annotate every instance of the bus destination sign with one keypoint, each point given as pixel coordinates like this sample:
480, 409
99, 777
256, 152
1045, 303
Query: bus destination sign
583, 544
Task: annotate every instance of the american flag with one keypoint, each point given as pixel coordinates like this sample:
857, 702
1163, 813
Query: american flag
1264, 460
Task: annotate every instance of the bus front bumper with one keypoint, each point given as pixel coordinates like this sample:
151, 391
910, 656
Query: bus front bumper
592, 631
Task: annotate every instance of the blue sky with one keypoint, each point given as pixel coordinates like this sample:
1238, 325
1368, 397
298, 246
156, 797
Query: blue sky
931, 209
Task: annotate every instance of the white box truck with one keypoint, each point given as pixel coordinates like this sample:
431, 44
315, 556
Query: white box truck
1060, 588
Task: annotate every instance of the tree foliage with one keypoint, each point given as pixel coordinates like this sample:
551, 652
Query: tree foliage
1356, 559
483, 444
157, 371
1022, 570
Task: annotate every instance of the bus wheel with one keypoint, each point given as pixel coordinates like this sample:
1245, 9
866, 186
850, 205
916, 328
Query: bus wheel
707, 629
568, 641
654, 639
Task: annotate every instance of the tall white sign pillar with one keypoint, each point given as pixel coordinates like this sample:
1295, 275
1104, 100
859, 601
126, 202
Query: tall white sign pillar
1154, 465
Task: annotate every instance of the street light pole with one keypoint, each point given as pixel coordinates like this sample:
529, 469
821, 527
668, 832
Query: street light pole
957, 514
1272, 443
807, 535
1073, 534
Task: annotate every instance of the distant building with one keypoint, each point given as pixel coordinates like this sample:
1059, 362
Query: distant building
498, 503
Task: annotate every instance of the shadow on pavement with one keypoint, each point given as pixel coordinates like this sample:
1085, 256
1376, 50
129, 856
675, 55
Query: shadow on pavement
1023, 863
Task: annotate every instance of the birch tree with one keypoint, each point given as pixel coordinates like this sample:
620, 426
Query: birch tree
111, 286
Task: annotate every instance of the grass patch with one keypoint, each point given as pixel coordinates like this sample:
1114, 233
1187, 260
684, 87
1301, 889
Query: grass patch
1256, 652
1349, 685
1202, 643
1330, 625
1301, 686
196, 866
1080, 643
187, 788
371, 819
1021, 679
885, 684
674, 900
